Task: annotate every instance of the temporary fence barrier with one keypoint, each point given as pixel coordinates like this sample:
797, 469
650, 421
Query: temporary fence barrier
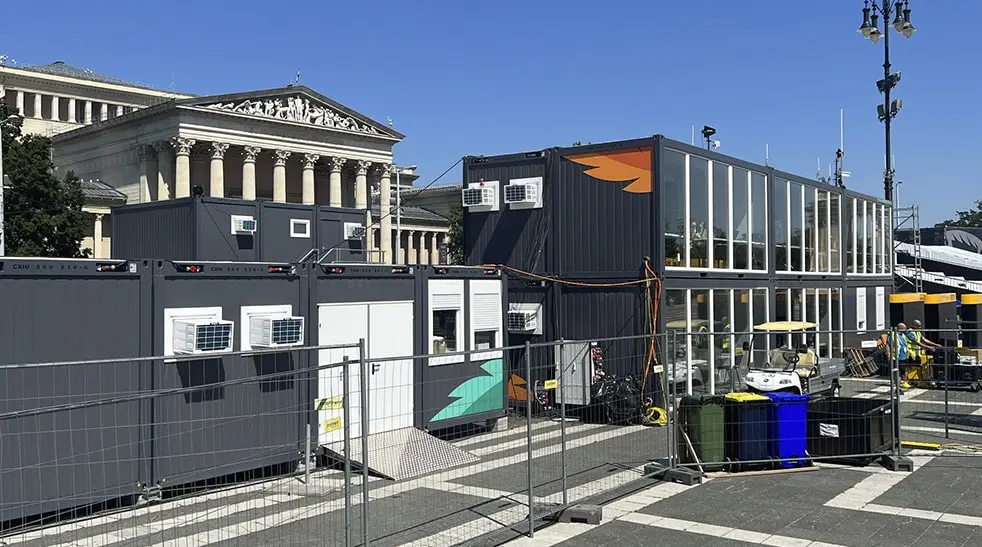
364, 470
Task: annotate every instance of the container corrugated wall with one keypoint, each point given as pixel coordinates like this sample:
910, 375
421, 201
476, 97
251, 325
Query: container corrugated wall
68, 310
154, 230
518, 238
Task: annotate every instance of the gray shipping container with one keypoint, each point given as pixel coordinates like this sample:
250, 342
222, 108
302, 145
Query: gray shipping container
216, 431
204, 228
72, 310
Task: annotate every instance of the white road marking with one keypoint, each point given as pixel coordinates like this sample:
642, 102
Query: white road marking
724, 532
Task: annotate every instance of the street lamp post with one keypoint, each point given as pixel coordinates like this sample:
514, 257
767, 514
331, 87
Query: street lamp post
871, 29
9, 119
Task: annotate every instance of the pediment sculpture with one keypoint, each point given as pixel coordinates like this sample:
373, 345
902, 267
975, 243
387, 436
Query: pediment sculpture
296, 109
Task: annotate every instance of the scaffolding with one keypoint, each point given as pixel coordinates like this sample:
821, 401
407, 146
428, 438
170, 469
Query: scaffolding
910, 217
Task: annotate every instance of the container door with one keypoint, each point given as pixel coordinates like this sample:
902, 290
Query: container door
390, 334
339, 324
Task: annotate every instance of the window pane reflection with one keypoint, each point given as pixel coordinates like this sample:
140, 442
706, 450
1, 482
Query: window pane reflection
741, 220
822, 210
759, 217
779, 194
699, 212
721, 215
811, 229
836, 229
673, 192
797, 227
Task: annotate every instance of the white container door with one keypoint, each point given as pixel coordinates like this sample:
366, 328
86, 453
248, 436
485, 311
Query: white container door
339, 324
390, 334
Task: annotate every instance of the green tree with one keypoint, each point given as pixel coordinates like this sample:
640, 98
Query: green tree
966, 219
42, 214
455, 243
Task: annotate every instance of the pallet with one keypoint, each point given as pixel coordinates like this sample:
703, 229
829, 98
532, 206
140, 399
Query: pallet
861, 365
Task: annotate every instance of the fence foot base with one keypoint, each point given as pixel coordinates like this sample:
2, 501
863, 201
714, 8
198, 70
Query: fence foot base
897, 463
580, 514
681, 475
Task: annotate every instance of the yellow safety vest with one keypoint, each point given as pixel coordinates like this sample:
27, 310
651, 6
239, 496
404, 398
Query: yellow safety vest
915, 349
726, 338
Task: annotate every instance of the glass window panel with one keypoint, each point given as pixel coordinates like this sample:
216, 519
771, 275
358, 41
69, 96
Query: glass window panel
822, 210
811, 315
836, 229
836, 313
673, 194
779, 197
811, 229
722, 344
883, 237
698, 212
854, 236
701, 342
676, 322
721, 215
824, 324
887, 239
741, 220
741, 321
797, 223
782, 304
760, 315
868, 239
758, 194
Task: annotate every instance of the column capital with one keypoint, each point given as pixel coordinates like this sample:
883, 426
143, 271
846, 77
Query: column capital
146, 152
160, 146
309, 160
182, 145
337, 162
250, 153
362, 167
98, 217
383, 169
280, 157
218, 150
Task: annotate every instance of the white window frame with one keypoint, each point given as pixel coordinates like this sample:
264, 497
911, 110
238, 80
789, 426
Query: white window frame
294, 223
446, 286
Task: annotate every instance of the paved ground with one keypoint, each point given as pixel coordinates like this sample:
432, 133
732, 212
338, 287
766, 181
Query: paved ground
477, 504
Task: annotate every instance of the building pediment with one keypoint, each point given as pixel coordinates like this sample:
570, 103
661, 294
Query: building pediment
295, 104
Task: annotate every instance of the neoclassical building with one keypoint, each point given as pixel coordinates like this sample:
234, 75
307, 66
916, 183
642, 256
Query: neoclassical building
132, 144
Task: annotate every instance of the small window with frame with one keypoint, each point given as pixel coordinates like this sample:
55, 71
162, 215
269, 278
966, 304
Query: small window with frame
485, 340
444, 331
300, 228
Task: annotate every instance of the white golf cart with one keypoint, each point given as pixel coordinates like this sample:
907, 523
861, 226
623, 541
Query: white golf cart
792, 365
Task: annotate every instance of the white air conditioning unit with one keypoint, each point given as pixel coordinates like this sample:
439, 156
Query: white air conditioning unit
243, 225
275, 332
196, 336
524, 318
353, 230
481, 196
524, 193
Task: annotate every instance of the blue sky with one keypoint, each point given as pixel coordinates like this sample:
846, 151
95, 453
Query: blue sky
507, 76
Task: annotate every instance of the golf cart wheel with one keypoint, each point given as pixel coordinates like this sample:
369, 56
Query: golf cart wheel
974, 387
836, 391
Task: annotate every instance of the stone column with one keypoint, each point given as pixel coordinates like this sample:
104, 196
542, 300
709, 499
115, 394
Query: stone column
424, 249
72, 114
97, 238
55, 109
37, 105
147, 173
279, 175
435, 248
249, 155
309, 193
20, 102
217, 177
411, 256
384, 207
182, 176
165, 169
337, 163
104, 113
88, 112
361, 184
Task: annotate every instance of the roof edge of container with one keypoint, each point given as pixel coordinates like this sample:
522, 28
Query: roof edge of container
507, 158
639, 142
711, 155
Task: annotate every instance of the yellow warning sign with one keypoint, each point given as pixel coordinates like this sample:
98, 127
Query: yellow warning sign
333, 424
551, 384
659, 369
331, 403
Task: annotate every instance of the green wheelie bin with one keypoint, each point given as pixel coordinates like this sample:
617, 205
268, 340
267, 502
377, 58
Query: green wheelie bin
701, 419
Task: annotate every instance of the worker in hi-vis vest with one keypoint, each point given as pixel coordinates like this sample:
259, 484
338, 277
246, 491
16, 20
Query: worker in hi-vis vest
900, 341
921, 343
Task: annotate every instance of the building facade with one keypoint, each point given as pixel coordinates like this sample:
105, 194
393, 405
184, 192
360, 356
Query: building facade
134, 144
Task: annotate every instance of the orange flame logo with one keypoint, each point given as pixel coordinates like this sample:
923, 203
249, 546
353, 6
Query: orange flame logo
626, 166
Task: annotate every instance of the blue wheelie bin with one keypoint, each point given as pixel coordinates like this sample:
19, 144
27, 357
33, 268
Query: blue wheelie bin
747, 417
789, 428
